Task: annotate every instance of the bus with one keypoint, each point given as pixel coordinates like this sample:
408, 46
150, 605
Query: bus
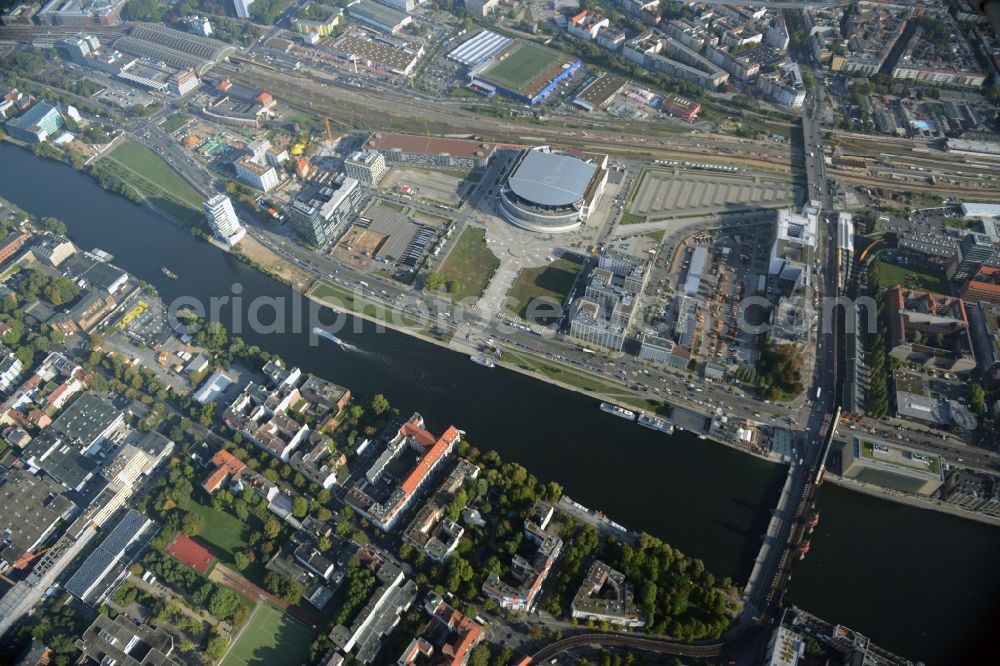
819, 392
587, 350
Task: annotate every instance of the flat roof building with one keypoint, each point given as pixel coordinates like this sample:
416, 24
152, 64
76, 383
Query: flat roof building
431, 151
378, 16
90, 582
883, 464
123, 643
30, 508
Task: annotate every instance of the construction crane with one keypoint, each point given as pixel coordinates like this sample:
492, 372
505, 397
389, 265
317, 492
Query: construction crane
28, 557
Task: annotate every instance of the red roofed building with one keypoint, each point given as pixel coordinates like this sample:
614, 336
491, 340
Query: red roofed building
983, 286
225, 85
453, 636
680, 107
385, 511
11, 244
226, 465
265, 98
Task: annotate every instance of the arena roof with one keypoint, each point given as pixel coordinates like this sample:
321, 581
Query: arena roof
551, 179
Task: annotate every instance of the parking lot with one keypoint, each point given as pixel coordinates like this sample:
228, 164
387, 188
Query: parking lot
674, 193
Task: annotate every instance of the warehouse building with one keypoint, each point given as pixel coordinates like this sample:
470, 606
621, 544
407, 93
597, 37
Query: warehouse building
377, 16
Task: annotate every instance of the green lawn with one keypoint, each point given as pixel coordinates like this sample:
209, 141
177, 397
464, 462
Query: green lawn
271, 637
174, 122
632, 218
392, 205
470, 264
222, 532
914, 278
552, 281
152, 172
655, 235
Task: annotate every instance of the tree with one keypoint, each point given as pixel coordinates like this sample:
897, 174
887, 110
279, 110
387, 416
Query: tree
193, 523
223, 602
977, 398
216, 647
272, 527
300, 507
480, 655
240, 561
433, 281
459, 571
145, 10
379, 404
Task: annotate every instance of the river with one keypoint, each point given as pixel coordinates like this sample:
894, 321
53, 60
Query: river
886, 570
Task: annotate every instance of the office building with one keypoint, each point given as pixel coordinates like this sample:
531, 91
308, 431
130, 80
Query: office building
974, 251
36, 124
222, 219
258, 174
242, 8
887, 465
366, 166
323, 206
121, 642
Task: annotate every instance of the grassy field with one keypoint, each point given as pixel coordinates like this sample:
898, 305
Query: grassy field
223, 533
914, 278
550, 282
271, 637
152, 172
522, 66
470, 263
174, 122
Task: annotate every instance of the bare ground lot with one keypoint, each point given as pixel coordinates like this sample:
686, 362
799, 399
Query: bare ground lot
435, 186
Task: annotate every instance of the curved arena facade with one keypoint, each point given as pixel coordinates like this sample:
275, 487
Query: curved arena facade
551, 191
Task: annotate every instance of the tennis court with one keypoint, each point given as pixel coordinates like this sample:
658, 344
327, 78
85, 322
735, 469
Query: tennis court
270, 637
190, 552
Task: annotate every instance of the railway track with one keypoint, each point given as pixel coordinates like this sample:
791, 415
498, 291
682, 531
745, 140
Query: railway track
647, 644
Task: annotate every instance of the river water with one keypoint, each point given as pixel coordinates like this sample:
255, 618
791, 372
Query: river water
918, 583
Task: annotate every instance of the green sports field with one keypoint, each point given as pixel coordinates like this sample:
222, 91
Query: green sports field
271, 637
523, 66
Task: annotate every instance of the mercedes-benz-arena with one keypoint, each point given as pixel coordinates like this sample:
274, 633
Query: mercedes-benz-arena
552, 191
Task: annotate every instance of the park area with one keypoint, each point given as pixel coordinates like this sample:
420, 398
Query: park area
469, 265
551, 282
220, 530
912, 278
145, 172
270, 637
